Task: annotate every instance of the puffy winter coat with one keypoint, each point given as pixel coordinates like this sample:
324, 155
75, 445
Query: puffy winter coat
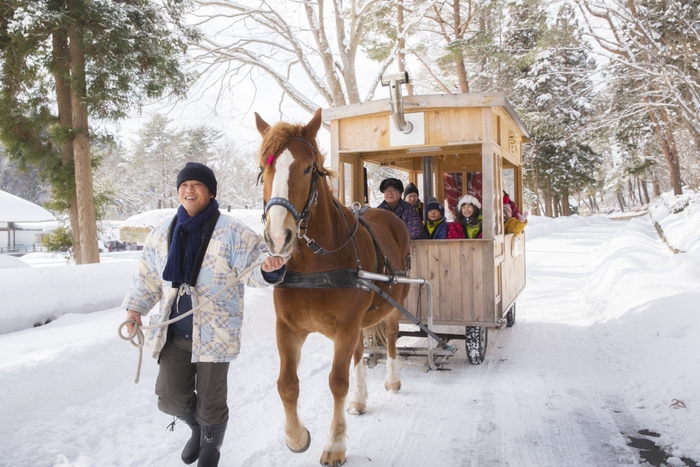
216, 333
458, 230
409, 215
438, 233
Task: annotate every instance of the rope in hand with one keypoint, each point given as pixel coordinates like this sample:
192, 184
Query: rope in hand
136, 338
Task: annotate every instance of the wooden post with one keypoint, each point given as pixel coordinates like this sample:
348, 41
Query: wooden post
487, 195
335, 152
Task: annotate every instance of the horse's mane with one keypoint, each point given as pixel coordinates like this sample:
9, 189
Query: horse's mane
277, 136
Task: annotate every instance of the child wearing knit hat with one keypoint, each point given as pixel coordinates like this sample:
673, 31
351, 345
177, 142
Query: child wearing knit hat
435, 226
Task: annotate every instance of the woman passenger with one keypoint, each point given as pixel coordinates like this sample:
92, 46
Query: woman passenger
468, 219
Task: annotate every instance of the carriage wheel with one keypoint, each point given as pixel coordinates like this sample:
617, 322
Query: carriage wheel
477, 338
510, 317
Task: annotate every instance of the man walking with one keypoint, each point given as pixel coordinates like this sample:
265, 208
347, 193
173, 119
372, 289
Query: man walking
184, 262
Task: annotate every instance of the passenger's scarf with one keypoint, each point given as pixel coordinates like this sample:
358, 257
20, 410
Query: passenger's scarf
177, 266
398, 210
432, 225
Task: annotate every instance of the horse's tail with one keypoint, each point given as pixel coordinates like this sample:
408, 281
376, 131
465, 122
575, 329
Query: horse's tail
375, 335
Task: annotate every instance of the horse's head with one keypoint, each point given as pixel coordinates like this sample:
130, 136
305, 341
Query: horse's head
290, 166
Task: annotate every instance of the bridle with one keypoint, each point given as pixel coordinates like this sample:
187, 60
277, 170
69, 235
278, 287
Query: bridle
301, 218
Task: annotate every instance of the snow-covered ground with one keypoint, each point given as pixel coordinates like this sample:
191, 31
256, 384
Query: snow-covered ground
606, 345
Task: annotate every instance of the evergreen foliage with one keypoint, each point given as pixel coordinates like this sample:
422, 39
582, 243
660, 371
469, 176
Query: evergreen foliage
132, 51
550, 69
59, 241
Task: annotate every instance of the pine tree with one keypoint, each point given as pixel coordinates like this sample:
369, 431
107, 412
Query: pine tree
63, 61
550, 70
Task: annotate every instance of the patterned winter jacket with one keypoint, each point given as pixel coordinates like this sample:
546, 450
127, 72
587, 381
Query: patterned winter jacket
409, 216
216, 333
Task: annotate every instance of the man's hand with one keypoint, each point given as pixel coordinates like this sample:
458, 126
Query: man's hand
136, 316
272, 263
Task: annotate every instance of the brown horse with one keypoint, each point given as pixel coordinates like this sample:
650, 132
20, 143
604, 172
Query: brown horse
299, 204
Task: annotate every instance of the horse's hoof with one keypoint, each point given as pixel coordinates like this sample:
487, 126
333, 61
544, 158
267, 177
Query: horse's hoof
333, 458
356, 408
393, 387
305, 447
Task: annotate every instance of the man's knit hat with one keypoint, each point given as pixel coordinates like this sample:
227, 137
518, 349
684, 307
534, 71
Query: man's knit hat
199, 172
410, 188
394, 182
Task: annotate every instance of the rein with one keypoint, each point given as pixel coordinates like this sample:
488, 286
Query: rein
137, 339
321, 251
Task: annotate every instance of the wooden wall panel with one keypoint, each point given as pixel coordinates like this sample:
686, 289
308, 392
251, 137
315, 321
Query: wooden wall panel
443, 126
461, 273
370, 132
513, 277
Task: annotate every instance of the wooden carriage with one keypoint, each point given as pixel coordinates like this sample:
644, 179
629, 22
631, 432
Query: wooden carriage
455, 139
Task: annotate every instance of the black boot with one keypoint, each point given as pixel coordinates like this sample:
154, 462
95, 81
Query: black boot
211, 441
191, 451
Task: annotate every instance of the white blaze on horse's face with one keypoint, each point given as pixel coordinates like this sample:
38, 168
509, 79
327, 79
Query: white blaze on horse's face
280, 230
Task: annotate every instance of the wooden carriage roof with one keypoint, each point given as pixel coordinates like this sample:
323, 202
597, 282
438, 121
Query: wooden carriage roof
426, 103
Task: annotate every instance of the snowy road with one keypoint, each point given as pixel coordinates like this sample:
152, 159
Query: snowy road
551, 392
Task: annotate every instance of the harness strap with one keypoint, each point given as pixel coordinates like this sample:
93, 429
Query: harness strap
311, 243
339, 278
371, 285
379, 251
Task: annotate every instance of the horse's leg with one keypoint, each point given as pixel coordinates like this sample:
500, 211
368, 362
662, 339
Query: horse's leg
339, 381
289, 346
393, 380
358, 401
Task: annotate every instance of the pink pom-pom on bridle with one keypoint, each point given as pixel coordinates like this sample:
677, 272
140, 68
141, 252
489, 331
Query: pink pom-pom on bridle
270, 159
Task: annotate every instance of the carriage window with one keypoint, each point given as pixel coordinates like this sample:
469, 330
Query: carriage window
457, 184
453, 190
347, 184
509, 182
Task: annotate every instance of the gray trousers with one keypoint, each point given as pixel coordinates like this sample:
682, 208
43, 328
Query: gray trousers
183, 386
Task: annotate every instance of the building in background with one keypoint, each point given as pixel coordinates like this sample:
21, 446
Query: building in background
23, 224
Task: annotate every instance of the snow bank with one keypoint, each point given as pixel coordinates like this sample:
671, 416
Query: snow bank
647, 305
33, 296
9, 262
679, 218
539, 226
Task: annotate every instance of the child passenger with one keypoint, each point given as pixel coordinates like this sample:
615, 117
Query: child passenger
468, 219
435, 226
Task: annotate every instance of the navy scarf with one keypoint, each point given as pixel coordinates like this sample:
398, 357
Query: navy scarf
177, 266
